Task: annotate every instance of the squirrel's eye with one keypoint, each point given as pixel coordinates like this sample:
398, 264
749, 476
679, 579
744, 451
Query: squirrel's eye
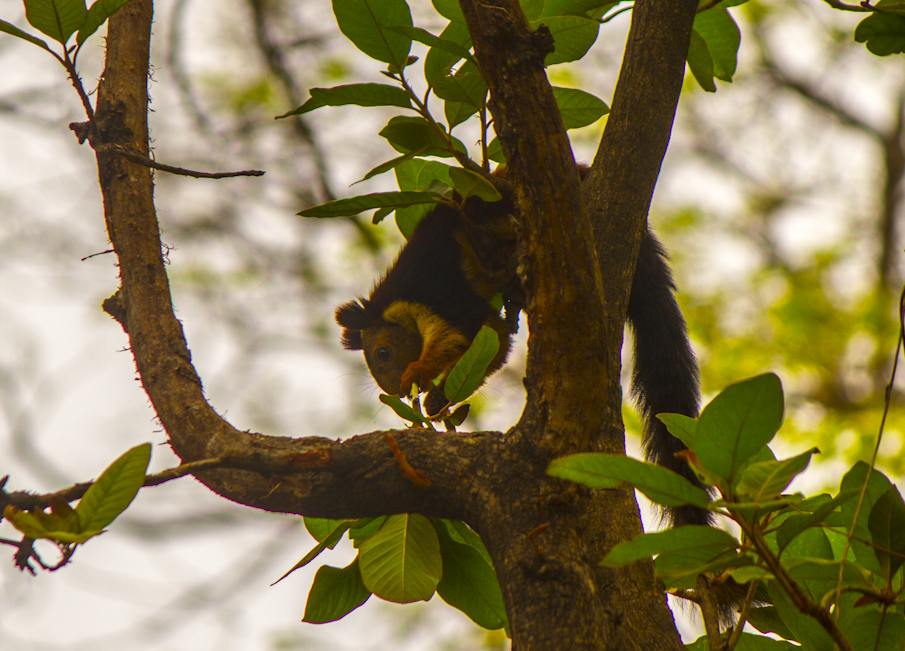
383, 354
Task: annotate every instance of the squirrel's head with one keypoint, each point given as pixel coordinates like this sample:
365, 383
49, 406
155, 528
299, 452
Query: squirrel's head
389, 346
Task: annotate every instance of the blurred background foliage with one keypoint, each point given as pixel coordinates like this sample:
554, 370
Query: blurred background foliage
780, 202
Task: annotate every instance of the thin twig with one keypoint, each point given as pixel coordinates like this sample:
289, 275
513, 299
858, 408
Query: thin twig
181, 171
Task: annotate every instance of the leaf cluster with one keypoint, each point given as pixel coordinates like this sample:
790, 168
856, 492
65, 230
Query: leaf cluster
825, 570
403, 558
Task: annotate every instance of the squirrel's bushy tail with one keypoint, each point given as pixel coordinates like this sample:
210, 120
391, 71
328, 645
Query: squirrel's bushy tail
666, 376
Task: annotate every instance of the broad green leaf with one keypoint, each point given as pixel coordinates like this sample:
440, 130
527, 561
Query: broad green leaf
749, 573
767, 479
390, 164
98, 14
362, 532
357, 94
700, 62
114, 490
421, 175
707, 540
401, 562
720, 33
877, 631
461, 532
804, 628
532, 8
469, 582
560, 7
329, 542
883, 33
380, 213
495, 152
48, 526
812, 545
468, 373
887, 530
58, 19
468, 184
463, 86
439, 42
578, 108
457, 112
450, 10
680, 569
736, 424
680, 426
600, 470
407, 134
748, 642
364, 22
335, 593
766, 620
402, 410
877, 486
439, 58
798, 523
573, 37
320, 528
818, 576
355, 205
15, 31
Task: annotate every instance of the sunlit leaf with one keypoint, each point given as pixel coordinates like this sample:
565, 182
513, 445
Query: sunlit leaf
364, 23
468, 373
402, 562
114, 490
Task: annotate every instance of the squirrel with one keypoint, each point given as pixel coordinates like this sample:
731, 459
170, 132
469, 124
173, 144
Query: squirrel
422, 315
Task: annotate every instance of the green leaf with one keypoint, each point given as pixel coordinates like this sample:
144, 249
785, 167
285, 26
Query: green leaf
601, 470
457, 112
798, 523
357, 94
680, 426
578, 108
9, 28
58, 19
812, 545
468, 373
329, 542
767, 479
44, 525
469, 582
450, 10
877, 486
766, 620
468, 184
407, 134
877, 631
738, 423
355, 205
720, 33
401, 562
362, 532
748, 642
495, 152
680, 569
402, 410
335, 593
391, 164
804, 628
461, 532
364, 22
425, 37
560, 7
439, 58
321, 528
573, 36
883, 33
420, 175
700, 61
887, 531
98, 14
705, 540
114, 490
467, 87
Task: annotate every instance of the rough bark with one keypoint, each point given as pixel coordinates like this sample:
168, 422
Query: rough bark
557, 596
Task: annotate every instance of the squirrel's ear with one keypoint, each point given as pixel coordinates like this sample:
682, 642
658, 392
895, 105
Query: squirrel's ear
353, 318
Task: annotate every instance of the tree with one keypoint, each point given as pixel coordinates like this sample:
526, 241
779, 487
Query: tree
470, 474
